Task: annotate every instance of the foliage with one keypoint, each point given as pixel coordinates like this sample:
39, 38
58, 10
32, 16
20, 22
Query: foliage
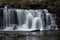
26, 3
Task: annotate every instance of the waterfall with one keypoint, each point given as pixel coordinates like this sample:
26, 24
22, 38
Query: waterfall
37, 23
28, 20
8, 18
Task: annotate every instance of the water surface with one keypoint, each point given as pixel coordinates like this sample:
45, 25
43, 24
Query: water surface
43, 35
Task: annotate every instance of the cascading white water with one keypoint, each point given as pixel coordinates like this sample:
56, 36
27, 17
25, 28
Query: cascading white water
29, 20
8, 18
50, 20
37, 23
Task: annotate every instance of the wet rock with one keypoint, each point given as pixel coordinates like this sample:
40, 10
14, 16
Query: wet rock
55, 10
1, 18
35, 6
36, 30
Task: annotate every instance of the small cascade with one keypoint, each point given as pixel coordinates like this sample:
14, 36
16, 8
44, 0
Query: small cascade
28, 20
37, 23
8, 18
